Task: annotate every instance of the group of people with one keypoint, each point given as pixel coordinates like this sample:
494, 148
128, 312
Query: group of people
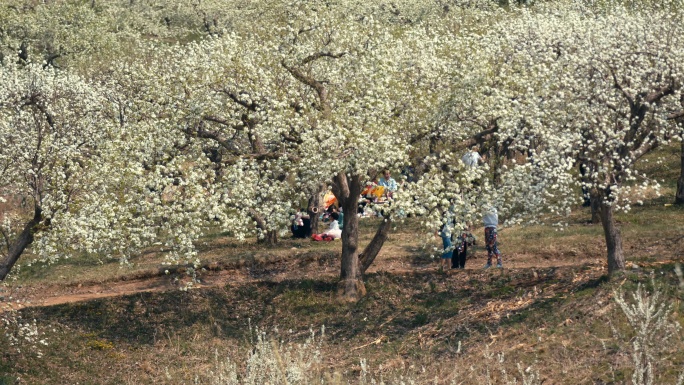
301, 225
375, 192
336, 219
456, 242
456, 245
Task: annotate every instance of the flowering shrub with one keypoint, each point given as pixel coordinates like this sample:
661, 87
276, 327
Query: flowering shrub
650, 318
21, 336
272, 361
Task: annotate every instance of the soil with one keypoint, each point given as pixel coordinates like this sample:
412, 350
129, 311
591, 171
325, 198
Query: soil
304, 262
279, 270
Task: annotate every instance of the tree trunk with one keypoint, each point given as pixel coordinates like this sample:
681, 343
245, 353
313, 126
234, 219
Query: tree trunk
373, 248
20, 244
434, 141
595, 204
347, 191
270, 238
315, 202
616, 259
679, 197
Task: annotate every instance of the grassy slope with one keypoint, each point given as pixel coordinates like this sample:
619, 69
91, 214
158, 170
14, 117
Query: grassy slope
551, 305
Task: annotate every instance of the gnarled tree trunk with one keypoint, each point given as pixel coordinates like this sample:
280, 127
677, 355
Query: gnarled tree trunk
616, 259
19, 245
373, 248
347, 190
270, 236
595, 205
679, 197
313, 209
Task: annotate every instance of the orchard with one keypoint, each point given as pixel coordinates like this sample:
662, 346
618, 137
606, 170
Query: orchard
133, 124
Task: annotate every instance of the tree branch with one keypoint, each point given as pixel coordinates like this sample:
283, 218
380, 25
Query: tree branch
6, 237
292, 139
223, 122
314, 84
676, 115
319, 55
371, 251
617, 85
659, 94
340, 188
250, 106
200, 132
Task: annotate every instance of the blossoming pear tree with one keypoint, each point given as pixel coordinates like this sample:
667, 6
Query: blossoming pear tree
323, 97
368, 78
53, 130
319, 98
488, 104
614, 76
88, 35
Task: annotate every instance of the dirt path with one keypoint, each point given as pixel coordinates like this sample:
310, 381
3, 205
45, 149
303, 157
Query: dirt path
277, 271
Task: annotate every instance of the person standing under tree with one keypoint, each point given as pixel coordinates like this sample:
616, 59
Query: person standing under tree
462, 242
472, 158
445, 233
491, 221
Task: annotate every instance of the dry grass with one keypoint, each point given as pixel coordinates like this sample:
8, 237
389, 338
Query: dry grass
551, 306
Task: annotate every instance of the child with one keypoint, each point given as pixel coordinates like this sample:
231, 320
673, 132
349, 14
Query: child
491, 221
445, 233
465, 239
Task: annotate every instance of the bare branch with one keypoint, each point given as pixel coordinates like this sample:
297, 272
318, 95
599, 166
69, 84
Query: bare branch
676, 115
319, 55
659, 94
216, 119
250, 106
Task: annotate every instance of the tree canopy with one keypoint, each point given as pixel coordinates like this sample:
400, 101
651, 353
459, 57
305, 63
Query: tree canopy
136, 123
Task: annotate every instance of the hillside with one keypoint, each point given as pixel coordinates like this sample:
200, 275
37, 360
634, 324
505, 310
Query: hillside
551, 306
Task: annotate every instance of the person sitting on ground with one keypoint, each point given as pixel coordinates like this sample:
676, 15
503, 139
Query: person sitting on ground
340, 218
301, 225
370, 194
332, 233
388, 183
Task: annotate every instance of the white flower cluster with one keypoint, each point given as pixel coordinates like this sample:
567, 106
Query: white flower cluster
21, 336
271, 361
234, 130
654, 329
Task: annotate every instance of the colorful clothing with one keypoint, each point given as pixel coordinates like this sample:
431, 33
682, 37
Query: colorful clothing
492, 245
461, 250
448, 249
390, 184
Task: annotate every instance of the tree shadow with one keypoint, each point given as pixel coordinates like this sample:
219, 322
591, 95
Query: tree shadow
145, 318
